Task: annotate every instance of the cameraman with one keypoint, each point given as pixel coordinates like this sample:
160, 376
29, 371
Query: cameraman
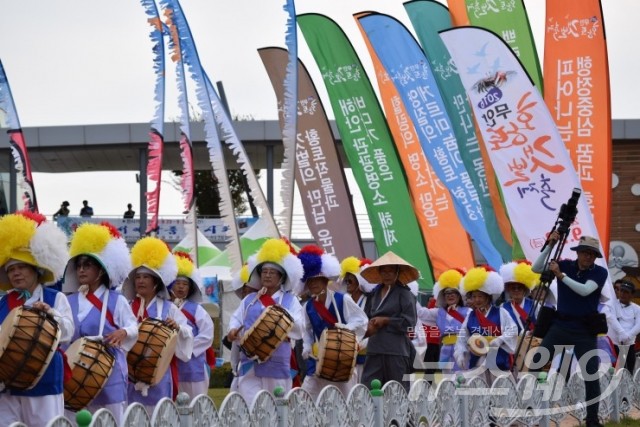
580, 283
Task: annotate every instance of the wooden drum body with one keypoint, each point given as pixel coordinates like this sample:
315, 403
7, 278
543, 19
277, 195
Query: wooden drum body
528, 348
337, 353
267, 333
91, 364
150, 356
28, 341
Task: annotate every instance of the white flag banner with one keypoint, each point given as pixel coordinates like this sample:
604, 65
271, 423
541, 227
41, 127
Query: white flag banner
526, 150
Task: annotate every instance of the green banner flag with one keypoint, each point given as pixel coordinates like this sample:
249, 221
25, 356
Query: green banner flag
509, 20
428, 18
367, 143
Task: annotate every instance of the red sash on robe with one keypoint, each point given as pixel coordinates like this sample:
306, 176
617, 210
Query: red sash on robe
135, 307
326, 315
522, 314
210, 354
488, 324
455, 314
98, 304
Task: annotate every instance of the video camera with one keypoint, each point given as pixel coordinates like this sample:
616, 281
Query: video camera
568, 212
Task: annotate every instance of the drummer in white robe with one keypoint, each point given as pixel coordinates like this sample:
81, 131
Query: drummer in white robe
326, 309
33, 254
154, 267
273, 270
193, 375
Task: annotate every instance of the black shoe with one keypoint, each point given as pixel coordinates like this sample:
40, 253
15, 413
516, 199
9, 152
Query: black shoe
595, 423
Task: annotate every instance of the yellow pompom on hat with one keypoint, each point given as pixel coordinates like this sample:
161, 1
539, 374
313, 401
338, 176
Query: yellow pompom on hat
239, 279
483, 279
26, 237
103, 243
188, 270
153, 255
519, 272
354, 265
279, 254
449, 279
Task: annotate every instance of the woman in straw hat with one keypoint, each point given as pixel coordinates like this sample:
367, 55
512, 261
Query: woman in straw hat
154, 268
99, 263
448, 315
392, 315
273, 271
493, 323
33, 254
325, 309
193, 375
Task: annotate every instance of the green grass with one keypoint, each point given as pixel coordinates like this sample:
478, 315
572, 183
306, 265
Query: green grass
218, 395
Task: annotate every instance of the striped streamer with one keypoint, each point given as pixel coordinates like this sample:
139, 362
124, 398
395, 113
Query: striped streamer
156, 139
175, 20
9, 119
289, 129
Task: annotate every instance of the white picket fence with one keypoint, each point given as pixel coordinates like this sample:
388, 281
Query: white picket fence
527, 402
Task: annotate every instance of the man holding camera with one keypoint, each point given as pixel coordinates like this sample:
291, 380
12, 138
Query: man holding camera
577, 323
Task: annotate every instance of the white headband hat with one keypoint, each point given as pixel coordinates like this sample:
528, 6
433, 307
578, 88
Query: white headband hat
151, 254
450, 279
483, 279
278, 252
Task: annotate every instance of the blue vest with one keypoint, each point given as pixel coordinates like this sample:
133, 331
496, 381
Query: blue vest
447, 324
528, 304
51, 382
194, 369
279, 365
318, 324
502, 359
115, 390
164, 386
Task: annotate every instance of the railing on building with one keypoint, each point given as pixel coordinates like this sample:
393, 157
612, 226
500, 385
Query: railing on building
530, 401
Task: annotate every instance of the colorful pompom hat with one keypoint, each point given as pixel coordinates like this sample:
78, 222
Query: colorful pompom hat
152, 254
187, 270
449, 279
238, 280
354, 265
27, 237
519, 272
279, 254
103, 243
483, 279
316, 263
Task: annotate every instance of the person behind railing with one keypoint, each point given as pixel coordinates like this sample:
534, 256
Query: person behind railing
352, 284
33, 254
448, 315
193, 375
577, 322
628, 314
273, 269
391, 309
488, 336
325, 309
99, 263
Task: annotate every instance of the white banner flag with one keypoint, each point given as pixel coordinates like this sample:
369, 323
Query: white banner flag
525, 148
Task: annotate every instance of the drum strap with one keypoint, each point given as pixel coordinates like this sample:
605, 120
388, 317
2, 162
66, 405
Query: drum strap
135, 307
522, 314
98, 304
326, 315
210, 354
488, 324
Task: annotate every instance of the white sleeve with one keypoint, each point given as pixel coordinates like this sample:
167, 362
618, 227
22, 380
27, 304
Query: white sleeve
509, 330
295, 310
428, 316
184, 349
460, 349
307, 337
237, 318
355, 318
61, 311
125, 319
204, 339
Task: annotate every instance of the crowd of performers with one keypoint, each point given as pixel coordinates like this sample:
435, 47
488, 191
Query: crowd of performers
131, 321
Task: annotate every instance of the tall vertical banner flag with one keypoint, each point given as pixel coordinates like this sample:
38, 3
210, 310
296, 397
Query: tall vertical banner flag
319, 174
367, 143
289, 129
176, 21
458, 10
428, 18
9, 119
509, 20
578, 95
432, 202
526, 150
408, 68
155, 148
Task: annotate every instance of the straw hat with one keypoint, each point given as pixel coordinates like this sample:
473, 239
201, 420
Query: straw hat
103, 243
588, 243
407, 272
27, 238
